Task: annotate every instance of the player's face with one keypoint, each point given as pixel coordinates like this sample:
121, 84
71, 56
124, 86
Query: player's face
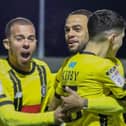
21, 45
76, 33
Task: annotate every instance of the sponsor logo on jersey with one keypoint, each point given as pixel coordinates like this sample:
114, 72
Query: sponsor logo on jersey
116, 77
72, 64
70, 75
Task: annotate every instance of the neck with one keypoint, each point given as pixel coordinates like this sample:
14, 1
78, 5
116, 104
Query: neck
111, 53
21, 67
99, 48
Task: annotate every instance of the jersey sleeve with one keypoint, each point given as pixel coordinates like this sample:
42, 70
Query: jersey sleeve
112, 77
104, 105
58, 81
10, 117
59, 89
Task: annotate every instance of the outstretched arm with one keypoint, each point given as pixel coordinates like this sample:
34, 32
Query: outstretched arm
101, 104
10, 117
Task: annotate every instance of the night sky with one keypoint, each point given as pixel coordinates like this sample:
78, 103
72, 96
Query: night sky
55, 14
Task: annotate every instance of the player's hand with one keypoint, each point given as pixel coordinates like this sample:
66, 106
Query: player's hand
59, 115
73, 102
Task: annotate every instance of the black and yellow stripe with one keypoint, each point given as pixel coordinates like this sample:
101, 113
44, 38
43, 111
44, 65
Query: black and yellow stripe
42, 74
5, 102
17, 91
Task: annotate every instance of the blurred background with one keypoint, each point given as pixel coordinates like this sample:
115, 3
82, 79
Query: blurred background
48, 17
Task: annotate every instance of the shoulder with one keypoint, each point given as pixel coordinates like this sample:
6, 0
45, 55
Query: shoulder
39, 62
98, 64
3, 60
42, 63
4, 64
102, 61
106, 64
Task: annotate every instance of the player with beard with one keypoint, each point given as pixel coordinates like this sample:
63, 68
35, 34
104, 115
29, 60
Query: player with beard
94, 72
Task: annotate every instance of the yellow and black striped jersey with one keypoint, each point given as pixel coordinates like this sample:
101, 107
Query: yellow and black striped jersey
93, 77
28, 92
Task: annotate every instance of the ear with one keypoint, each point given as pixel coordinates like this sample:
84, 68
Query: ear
112, 38
6, 44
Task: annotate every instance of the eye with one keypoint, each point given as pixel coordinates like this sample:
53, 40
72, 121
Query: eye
19, 38
66, 29
77, 28
31, 38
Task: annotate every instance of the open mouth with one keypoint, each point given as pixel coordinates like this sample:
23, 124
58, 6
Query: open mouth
25, 55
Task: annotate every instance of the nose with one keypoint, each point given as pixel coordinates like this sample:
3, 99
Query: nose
71, 33
26, 44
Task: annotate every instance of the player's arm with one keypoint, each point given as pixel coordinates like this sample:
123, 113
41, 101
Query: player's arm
102, 104
112, 77
56, 100
10, 117
114, 81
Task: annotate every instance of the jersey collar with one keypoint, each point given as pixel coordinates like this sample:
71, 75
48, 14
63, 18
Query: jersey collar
87, 52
